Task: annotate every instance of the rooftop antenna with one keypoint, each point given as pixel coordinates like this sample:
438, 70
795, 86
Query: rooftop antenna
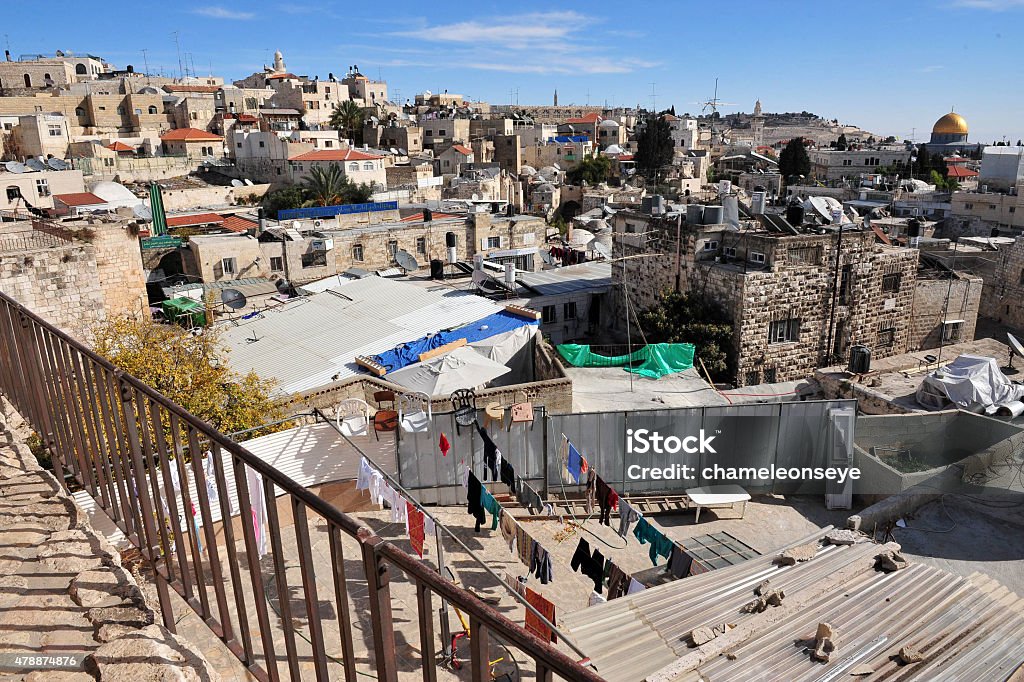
177, 46
145, 60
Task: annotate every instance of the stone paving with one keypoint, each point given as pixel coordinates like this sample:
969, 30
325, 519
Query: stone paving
63, 589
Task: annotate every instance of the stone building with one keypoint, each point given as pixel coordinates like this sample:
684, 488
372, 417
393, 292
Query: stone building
946, 306
74, 274
833, 164
192, 143
793, 307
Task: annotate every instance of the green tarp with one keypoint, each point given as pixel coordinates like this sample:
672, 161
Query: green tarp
657, 359
156, 207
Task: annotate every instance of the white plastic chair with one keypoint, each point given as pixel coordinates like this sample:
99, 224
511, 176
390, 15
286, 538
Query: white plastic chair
352, 417
414, 413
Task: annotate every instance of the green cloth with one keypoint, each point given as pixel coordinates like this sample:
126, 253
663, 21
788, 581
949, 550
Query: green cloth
156, 207
658, 359
488, 502
660, 545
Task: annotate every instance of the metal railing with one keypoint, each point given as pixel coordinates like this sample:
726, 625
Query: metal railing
139, 455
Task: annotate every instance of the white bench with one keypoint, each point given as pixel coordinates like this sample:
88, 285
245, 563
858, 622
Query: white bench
718, 496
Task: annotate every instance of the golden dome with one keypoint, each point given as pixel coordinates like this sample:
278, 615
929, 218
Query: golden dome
950, 124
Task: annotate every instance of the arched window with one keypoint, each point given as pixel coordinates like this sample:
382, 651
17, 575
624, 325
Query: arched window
368, 166
152, 109
46, 77
28, 81
80, 69
353, 166
79, 111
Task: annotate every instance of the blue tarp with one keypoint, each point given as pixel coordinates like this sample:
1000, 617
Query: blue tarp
409, 353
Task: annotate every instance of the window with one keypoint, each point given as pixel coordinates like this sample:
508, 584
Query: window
353, 166
784, 331
886, 336
55, 131
968, 206
844, 285
421, 245
239, 145
711, 245
757, 257
79, 111
43, 187
277, 264
314, 259
730, 251
951, 330
357, 252
804, 255
328, 143
368, 166
548, 314
80, 69
494, 242
891, 282
138, 112
262, 143
152, 109
28, 81
227, 266
752, 378
569, 310
1022, 276
769, 375
430, 133
392, 248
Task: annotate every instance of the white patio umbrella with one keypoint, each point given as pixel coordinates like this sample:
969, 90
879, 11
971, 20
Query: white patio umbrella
461, 368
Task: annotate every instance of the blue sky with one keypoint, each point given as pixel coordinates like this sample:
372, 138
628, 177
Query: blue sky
890, 67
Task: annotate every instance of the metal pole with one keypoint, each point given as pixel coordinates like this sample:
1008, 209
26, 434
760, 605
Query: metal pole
446, 633
945, 304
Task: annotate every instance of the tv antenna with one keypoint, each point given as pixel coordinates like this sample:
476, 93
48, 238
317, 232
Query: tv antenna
713, 105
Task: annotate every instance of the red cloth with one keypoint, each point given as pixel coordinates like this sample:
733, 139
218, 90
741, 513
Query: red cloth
444, 445
535, 624
583, 465
613, 498
415, 527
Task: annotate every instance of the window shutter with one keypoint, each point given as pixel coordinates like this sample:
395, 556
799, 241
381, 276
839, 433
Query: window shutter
483, 243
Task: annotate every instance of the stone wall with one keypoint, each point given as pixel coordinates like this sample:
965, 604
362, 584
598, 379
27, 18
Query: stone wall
64, 590
1003, 292
931, 308
119, 271
840, 385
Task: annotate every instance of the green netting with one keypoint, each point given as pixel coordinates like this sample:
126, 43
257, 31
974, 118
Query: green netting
658, 359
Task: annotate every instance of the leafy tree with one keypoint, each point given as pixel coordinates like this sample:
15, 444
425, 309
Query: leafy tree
190, 370
889, 140
283, 199
347, 118
842, 144
794, 161
686, 318
653, 145
330, 186
593, 170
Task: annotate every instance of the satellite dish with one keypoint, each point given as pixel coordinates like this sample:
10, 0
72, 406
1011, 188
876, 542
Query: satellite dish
1015, 344
237, 183
406, 261
57, 164
556, 166
142, 211
403, 152
35, 164
601, 249
233, 298
393, 150
15, 167
248, 182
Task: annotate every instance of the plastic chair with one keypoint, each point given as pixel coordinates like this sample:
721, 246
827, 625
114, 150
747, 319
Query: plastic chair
414, 413
352, 417
464, 408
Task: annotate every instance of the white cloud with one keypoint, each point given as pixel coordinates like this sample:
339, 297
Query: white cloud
932, 68
216, 12
992, 5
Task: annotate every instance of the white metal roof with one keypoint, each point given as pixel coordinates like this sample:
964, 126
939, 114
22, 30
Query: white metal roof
306, 343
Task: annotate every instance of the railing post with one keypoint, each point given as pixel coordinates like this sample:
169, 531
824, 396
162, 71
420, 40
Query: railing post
378, 579
479, 645
424, 610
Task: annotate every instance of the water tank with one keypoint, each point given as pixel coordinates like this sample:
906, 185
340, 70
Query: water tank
428, 215
795, 215
694, 214
860, 360
713, 215
437, 269
757, 202
510, 274
657, 205
914, 232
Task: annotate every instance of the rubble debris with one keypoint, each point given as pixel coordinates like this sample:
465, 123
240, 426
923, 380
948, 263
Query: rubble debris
853, 522
763, 588
702, 635
772, 597
797, 554
861, 669
843, 537
890, 561
910, 654
824, 642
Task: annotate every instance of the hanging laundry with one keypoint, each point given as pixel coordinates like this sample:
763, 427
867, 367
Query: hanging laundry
474, 497
635, 586
416, 532
491, 454
524, 546
627, 516
365, 475
508, 476
490, 504
606, 499
540, 564
590, 565
595, 599
618, 581
429, 529
546, 609
464, 478
679, 562
660, 545
575, 466
508, 527
444, 445
258, 505
591, 490
516, 584
529, 498
210, 473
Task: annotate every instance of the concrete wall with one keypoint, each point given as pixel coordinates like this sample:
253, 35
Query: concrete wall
936, 300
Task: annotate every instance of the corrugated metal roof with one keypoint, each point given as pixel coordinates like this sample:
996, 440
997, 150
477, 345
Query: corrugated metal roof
332, 282
305, 343
965, 627
596, 275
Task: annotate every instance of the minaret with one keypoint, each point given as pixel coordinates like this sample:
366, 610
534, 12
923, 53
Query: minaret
757, 125
556, 97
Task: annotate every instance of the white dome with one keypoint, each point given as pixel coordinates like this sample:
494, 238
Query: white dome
527, 170
545, 187
608, 123
115, 193
612, 149
549, 172
581, 237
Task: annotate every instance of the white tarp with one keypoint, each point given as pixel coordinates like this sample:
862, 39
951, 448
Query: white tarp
461, 368
969, 382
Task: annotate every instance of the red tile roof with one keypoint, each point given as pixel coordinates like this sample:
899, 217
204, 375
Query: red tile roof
279, 76
238, 223
191, 88
462, 150
417, 217
192, 220
189, 135
242, 118
336, 155
79, 199
119, 146
960, 172
589, 118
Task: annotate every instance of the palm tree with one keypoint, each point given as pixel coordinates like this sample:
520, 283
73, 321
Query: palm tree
347, 118
325, 185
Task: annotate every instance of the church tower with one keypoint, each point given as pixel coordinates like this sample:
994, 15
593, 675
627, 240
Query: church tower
556, 97
757, 125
